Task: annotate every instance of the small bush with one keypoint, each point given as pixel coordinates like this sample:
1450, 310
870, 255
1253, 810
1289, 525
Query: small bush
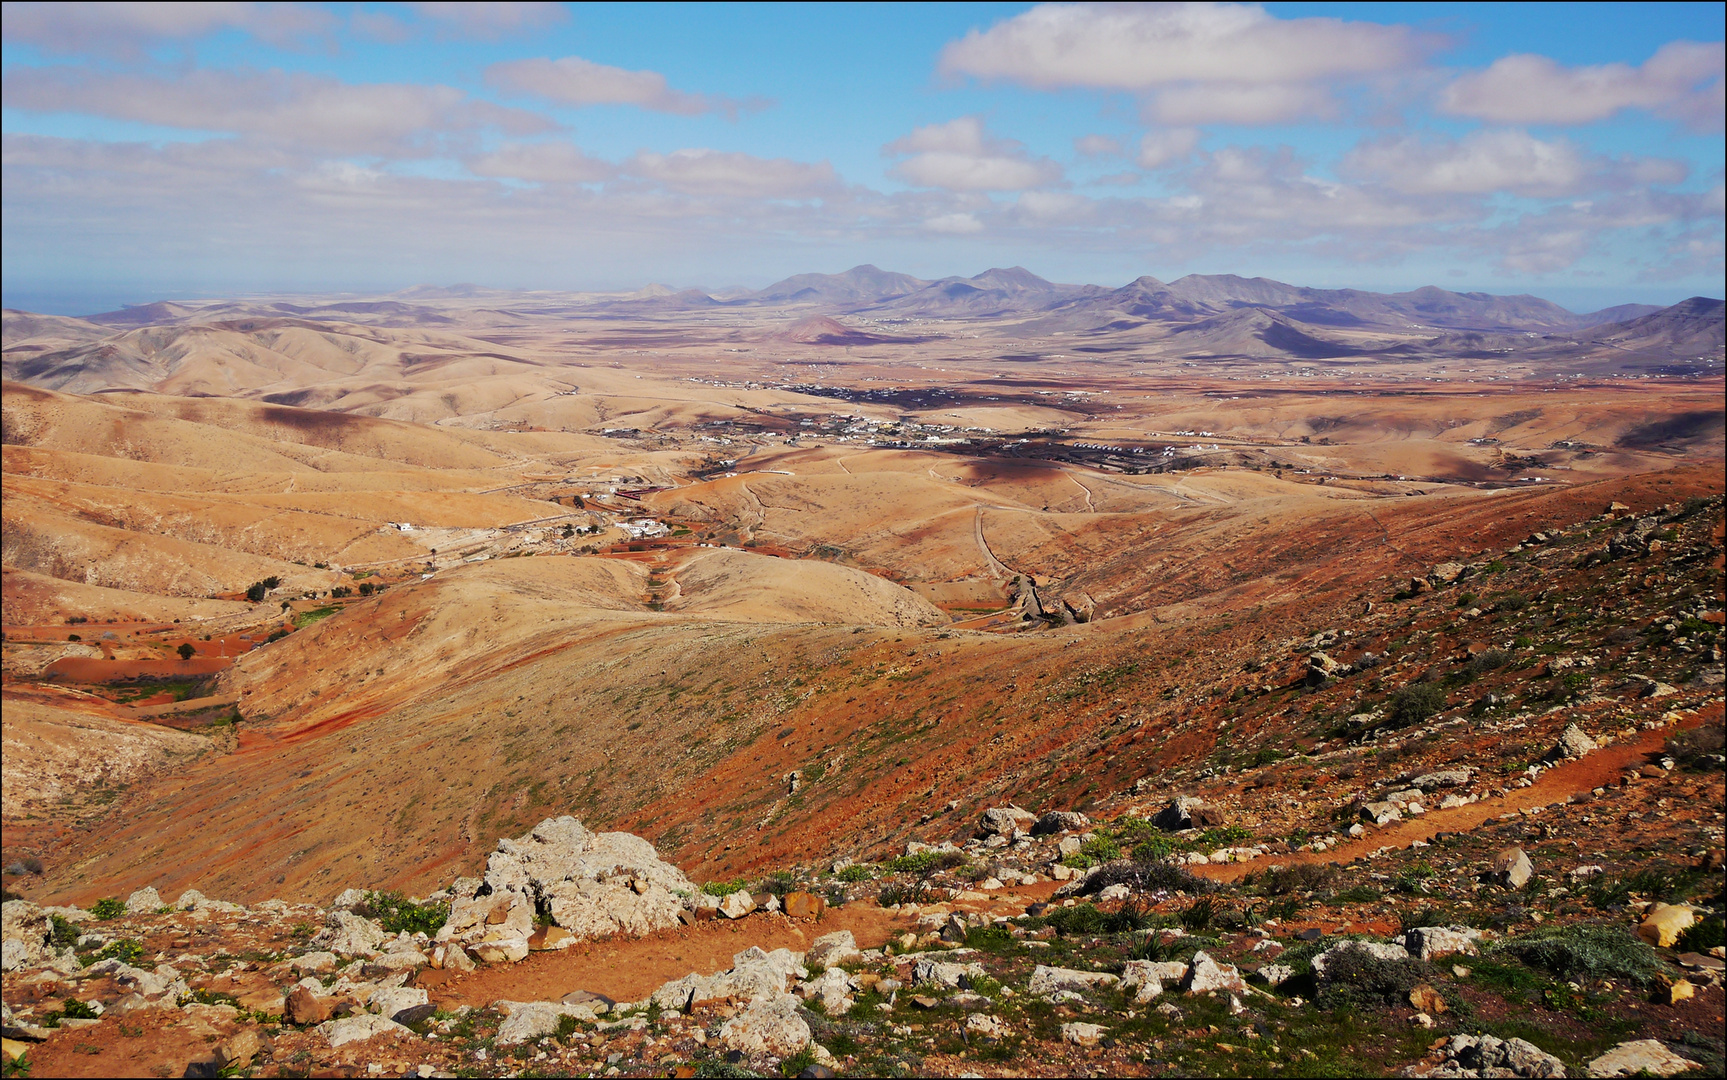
1079, 919
1283, 880
1699, 749
1587, 950
396, 913
1489, 660
108, 908
1705, 935
1198, 916
1510, 601
1358, 979
1414, 703
855, 873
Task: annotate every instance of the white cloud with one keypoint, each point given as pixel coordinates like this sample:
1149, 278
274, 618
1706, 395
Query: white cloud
1484, 162
961, 155
1200, 62
575, 81
497, 18
1097, 146
954, 224
309, 111
127, 29
547, 162
1683, 80
1160, 148
713, 172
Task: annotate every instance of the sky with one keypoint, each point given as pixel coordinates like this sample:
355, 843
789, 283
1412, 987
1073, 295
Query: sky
156, 151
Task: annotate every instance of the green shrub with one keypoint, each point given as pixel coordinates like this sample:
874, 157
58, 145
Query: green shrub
396, 913
1415, 703
1198, 916
108, 908
855, 873
1697, 750
1587, 951
1283, 880
66, 932
1488, 660
1358, 979
1705, 935
722, 888
126, 950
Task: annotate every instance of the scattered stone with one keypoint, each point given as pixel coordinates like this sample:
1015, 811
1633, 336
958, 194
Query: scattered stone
770, 1025
1276, 974
1206, 975
1573, 743
1186, 813
1060, 821
833, 950
1007, 821
146, 901
952, 976
526, 1021
1144, 979
303, 1008
359, 1027
1441, 778
1082, 1034
985, 1026
1485, 1055
1512, 868
1663, 924
1381, 813
1644, 1057
803, 905
1682, 990
1446, 573
1428, 942
737, 905
1048, 980
1425, 999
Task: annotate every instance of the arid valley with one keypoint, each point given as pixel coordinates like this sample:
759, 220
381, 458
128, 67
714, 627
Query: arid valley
1205, 627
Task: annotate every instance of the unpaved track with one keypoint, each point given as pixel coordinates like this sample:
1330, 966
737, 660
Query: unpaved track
1599, 769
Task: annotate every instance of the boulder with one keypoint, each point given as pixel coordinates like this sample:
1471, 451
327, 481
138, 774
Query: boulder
985, 1026
833, 987
1441, 778
359, 1027
304, 1008
347, 934
1276, 974
525, 1021
1381, 813
1573, 743
145, 901
952, 976
770, 1025
1060, 821
1485, 1055
804, 905
1446, 573
1049, 980
315, 962
1428, 942
1379, 950
1006, 821
737, 905
391, 1000
754, 974
25, 929
1141, 976
1082, 1034
1512, 868
593, 885
1663, 924
833, 950
1206, 975
1184, 812
1425, 999
1644, 1057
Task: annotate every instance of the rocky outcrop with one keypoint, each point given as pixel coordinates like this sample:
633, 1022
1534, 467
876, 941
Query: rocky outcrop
590, 884
1644, 1057
753, 974
1186, 813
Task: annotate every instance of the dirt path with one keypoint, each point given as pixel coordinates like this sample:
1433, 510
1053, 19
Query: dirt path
1599, 769
629, 969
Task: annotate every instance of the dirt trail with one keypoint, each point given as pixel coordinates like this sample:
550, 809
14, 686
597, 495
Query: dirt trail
629, 969
1599, 769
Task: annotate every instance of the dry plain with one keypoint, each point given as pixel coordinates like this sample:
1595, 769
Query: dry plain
769, 584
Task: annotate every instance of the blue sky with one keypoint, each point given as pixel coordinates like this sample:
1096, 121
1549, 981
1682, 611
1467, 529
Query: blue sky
170, 150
